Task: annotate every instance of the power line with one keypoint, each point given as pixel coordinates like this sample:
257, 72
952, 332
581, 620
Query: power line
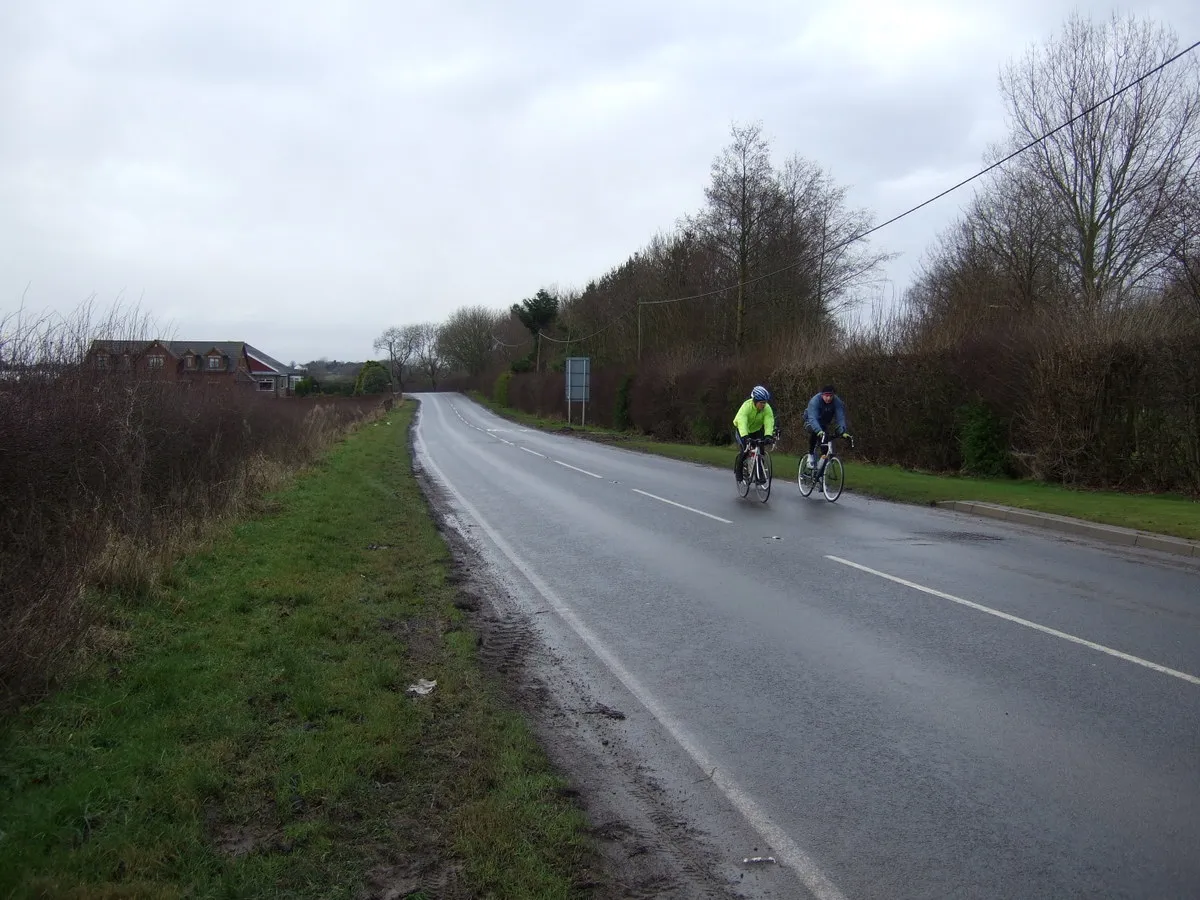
965, 181
893, 219
587, 336
500, 343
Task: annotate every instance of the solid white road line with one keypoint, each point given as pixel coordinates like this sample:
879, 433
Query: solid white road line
698, 512
1028, 624
577, 469
785, 848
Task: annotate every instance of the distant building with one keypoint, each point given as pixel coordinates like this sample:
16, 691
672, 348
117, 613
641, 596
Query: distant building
220, 364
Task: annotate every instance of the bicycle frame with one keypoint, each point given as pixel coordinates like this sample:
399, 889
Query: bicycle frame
755, 461
826, 455
755, 447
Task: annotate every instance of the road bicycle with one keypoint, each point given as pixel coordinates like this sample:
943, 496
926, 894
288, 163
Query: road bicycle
756, 468
830, 473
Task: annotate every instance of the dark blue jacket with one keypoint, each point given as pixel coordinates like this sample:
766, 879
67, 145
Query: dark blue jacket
819, 415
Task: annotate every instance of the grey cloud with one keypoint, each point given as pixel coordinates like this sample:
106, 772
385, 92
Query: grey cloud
312, 172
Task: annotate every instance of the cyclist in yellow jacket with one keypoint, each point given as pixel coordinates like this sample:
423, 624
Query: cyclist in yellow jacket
755, 419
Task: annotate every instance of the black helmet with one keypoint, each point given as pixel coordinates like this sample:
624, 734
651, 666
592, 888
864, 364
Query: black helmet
828, 389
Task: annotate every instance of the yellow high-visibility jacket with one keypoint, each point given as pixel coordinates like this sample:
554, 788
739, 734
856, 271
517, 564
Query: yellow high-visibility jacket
748, 419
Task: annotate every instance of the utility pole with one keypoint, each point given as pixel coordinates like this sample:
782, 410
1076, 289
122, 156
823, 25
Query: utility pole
639, 305
821, 261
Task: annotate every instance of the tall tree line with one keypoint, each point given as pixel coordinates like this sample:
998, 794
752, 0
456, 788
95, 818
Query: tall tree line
1100, 219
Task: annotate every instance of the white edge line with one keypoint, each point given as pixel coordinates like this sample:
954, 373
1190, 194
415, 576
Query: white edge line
576, 468
698, 512
1028, 624
535, 453
806, 869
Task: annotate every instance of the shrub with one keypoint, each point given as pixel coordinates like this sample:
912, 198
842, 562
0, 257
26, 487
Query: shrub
623, 419
500, 391
373, 378
106, 478
983, 440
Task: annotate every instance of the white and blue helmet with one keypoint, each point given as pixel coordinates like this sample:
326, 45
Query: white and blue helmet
760, 394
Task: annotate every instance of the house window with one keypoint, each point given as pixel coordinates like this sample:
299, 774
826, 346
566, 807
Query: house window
155, 362
215, 362
102, 361
266, 384
189, 362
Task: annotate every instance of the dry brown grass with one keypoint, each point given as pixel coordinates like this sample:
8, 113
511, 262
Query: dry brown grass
106, 481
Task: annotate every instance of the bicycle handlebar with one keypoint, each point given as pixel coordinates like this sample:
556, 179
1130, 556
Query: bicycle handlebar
832, 437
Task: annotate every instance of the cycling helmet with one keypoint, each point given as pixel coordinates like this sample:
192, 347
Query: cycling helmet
760, 394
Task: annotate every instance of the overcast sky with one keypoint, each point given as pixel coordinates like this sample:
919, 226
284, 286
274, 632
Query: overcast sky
300, 174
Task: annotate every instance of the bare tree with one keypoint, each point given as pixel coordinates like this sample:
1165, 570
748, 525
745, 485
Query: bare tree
1119, 172
821, 233
401, 345
743, 198
467, 338
1183, 273
427, 354
957, 290
510, 340
1020, 225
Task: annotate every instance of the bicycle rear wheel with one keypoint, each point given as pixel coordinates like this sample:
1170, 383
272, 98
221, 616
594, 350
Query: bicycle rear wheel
764, 488
834, 480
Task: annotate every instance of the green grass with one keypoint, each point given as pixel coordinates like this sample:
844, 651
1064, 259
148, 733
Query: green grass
250, 736
1161, 514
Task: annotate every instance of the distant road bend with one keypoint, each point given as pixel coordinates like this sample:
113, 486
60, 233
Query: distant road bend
900, 701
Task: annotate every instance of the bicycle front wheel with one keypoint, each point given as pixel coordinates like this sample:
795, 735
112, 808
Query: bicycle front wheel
834, 480
764, 486
804, 476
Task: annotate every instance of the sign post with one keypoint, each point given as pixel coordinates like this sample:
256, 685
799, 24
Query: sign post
579, 372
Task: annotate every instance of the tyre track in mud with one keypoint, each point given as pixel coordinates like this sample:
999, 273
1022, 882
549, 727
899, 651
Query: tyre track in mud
648, 847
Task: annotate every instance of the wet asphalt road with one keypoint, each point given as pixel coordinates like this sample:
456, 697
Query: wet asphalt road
906, 744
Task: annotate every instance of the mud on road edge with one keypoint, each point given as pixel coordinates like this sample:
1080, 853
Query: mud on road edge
647, 848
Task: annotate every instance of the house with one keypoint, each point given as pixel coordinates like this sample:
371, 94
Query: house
219, 364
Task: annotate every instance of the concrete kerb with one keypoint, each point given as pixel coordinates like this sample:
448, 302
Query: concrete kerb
1127, 537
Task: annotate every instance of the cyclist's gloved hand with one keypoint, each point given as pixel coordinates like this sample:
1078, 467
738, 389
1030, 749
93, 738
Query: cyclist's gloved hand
820, 435
845, 434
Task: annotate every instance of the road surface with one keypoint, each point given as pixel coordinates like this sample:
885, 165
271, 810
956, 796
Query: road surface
895, 701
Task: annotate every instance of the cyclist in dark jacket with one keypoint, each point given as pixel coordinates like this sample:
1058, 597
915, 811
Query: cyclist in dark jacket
824, 409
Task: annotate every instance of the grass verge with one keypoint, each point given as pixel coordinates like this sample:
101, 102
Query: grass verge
1160, 514
247, 733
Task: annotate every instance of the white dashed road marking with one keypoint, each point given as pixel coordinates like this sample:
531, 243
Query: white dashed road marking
1184, 676
698, 512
